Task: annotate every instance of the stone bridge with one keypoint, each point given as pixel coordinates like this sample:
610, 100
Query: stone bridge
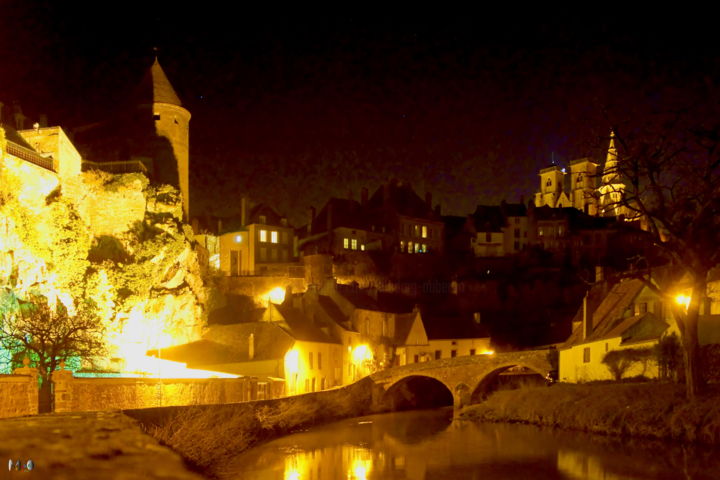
466, 378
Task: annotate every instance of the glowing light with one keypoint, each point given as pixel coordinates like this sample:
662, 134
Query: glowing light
360, 469
238, 238
215, 261
487, 352
360, 464
292, 361
297, 466
683, 300
277, 295
361, 353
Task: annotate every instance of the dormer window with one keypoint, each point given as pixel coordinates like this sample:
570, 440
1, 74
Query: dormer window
263, 219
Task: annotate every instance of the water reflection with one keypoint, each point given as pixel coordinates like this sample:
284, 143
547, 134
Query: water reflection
429, 445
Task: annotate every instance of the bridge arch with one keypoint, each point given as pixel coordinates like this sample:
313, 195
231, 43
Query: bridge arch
418, 391
484, 382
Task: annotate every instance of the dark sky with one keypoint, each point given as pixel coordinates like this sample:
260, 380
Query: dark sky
293, 108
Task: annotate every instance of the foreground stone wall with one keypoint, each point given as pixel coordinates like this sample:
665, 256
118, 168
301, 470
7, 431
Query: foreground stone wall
18, 395
89, 394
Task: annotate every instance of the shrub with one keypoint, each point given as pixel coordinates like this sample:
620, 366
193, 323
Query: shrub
620, 361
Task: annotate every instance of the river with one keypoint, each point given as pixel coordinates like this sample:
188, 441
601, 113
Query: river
428, 444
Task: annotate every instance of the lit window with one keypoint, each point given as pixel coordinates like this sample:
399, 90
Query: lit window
424, 248
410, 247
346, 243
417, 248
353, 243
362, 247
263, 235
424, 231
274, 237
402, 246
238, 238
417, 230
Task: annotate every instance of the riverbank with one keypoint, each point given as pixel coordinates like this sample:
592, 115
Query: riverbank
650, 410
208, 436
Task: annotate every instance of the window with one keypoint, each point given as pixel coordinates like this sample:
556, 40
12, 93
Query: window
517, 245
310, 360
283, 237
606, 347
362, 247
263, 219
424, 248
402, 246
548, 183
313, 384
410, 247
353, 244
586, 355
156, 116
319, 360
417, 358
517, 233
346, 243
488, 237
540, 231
263, 253
642, 308
438, 354
472, 351
234, 262
283, 254
424, 231
453, 353
273, 237
263, 235
417, 248
416, 230
273, 254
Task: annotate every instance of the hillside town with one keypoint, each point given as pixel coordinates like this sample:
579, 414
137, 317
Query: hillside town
362, 284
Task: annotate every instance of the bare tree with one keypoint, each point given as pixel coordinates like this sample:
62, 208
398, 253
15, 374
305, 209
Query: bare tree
50, 336
669, 166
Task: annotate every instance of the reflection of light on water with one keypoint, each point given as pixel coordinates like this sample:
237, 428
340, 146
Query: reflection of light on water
576, 465
360, 463
296, 466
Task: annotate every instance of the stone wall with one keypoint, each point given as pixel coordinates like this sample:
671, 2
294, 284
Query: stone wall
261, 285
88, 394
18, 395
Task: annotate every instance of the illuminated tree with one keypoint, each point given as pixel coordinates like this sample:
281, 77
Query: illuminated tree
669, 162
50, 336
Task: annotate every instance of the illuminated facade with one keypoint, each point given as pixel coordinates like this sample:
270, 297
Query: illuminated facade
582, 187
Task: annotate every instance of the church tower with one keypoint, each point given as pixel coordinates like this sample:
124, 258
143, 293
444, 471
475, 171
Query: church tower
551, 188
583, 172
611, 190
171, 121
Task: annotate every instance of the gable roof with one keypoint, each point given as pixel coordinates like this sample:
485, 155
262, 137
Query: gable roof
400, 198
488, 218
340, 212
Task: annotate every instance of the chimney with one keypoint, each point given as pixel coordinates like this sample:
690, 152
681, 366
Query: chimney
311, 218
363, 193
243, 211
251, 346
428, 199
587, 318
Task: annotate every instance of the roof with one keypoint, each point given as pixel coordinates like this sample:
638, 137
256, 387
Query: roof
400, 198
271, 216
340, 212
300, 326
488, 218
449, 327
156, 88
371, 299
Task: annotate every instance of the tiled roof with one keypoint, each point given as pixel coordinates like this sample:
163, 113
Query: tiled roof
448, 327
343, 213
302, 327
488, 218
402, 199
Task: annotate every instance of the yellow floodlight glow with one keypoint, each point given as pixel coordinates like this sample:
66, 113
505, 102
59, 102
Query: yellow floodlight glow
683, 300
487, 352
361, 353
292, 362
277, 295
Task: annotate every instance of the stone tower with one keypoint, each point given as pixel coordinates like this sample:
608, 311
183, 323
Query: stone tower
551, 188
171, 155
583, 174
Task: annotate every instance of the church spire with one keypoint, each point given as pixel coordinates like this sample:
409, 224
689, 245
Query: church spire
610, 171
156, 88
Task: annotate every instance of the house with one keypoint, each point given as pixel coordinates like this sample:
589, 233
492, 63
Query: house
629, 315
411, 225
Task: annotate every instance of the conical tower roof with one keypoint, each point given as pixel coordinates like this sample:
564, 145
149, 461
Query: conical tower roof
610, 172
156, 88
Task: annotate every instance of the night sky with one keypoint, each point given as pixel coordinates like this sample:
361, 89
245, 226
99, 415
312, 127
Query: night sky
291, 109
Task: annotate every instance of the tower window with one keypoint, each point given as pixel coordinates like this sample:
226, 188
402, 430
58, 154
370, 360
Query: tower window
548, 183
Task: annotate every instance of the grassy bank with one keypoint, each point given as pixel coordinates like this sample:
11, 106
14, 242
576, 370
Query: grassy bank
207, 436
652, 410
